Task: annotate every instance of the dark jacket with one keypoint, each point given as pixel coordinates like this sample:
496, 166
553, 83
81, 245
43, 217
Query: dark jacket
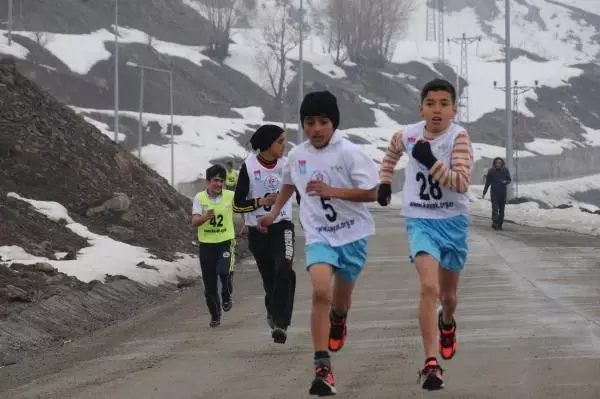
498, 179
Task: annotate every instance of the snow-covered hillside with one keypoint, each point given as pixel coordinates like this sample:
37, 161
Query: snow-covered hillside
552, 37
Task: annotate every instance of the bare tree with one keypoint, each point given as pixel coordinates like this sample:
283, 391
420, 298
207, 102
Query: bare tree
279, 36
329, 20
221, 15
391, 18
149, 40
41, 39
365, 31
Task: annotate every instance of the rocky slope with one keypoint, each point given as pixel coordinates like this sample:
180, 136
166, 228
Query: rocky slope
49, 153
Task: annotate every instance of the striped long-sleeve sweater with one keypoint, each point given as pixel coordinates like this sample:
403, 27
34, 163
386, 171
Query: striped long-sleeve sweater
457, 177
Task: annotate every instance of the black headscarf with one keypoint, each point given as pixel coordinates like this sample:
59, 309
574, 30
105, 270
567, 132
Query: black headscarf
265, 136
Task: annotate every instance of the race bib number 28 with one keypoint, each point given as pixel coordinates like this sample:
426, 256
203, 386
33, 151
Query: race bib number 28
430, 188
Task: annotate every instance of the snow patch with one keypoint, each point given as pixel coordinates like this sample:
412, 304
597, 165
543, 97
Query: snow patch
104, 255
250, 113
550, 146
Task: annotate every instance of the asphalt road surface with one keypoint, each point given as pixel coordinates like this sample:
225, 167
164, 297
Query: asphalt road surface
528, 325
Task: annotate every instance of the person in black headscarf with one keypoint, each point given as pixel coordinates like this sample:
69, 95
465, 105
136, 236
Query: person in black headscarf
498, 177
258, 184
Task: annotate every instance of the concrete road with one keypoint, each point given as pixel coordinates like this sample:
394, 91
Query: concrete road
529, 327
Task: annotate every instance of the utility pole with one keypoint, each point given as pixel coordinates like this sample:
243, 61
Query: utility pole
10, 22
300, 133
464, 41
140, 123
516, 90
457, 88
440, 30
507, 105
116, 71
170, 72
283, 116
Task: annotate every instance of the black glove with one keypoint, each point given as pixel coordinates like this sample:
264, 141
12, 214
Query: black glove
422, 153
384, 193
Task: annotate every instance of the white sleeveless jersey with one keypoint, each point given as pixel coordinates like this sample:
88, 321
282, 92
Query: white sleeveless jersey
264, 181
423, 196
341, 164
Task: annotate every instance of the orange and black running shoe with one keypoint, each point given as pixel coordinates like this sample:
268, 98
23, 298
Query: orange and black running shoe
447, 343
337, 333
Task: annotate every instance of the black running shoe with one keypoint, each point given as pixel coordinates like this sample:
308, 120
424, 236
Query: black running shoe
279, 335
431, 376
324, 382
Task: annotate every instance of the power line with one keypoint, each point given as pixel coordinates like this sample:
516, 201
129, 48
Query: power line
464, 41
516, 90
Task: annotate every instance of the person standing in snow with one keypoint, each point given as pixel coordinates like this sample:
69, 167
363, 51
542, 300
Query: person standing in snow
212, 214
498, 177
260, 179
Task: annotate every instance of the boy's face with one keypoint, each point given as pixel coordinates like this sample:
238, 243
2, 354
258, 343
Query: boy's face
278, 147
438, 110
215, 185
318, 130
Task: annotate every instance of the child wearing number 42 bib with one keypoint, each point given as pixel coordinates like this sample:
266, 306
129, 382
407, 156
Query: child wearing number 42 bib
335, 178
436, 208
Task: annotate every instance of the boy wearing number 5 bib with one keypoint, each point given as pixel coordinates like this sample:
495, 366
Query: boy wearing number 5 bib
335, 178
436, 207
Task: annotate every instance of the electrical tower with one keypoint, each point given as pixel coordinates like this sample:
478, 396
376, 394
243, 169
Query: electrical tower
440, 30
516, 91
434, 30
464, 41
431, 16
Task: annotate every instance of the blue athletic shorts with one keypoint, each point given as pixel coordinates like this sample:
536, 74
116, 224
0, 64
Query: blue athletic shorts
348, 260
444, 239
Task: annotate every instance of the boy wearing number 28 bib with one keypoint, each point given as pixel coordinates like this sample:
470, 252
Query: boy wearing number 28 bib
335, 178
436, 207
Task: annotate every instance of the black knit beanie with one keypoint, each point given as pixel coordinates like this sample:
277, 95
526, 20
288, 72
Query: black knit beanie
265, 136
216, 171
320, 103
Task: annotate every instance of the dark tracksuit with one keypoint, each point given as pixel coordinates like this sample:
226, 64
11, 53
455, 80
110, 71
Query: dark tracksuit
274, 255
216, 261
497, 179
